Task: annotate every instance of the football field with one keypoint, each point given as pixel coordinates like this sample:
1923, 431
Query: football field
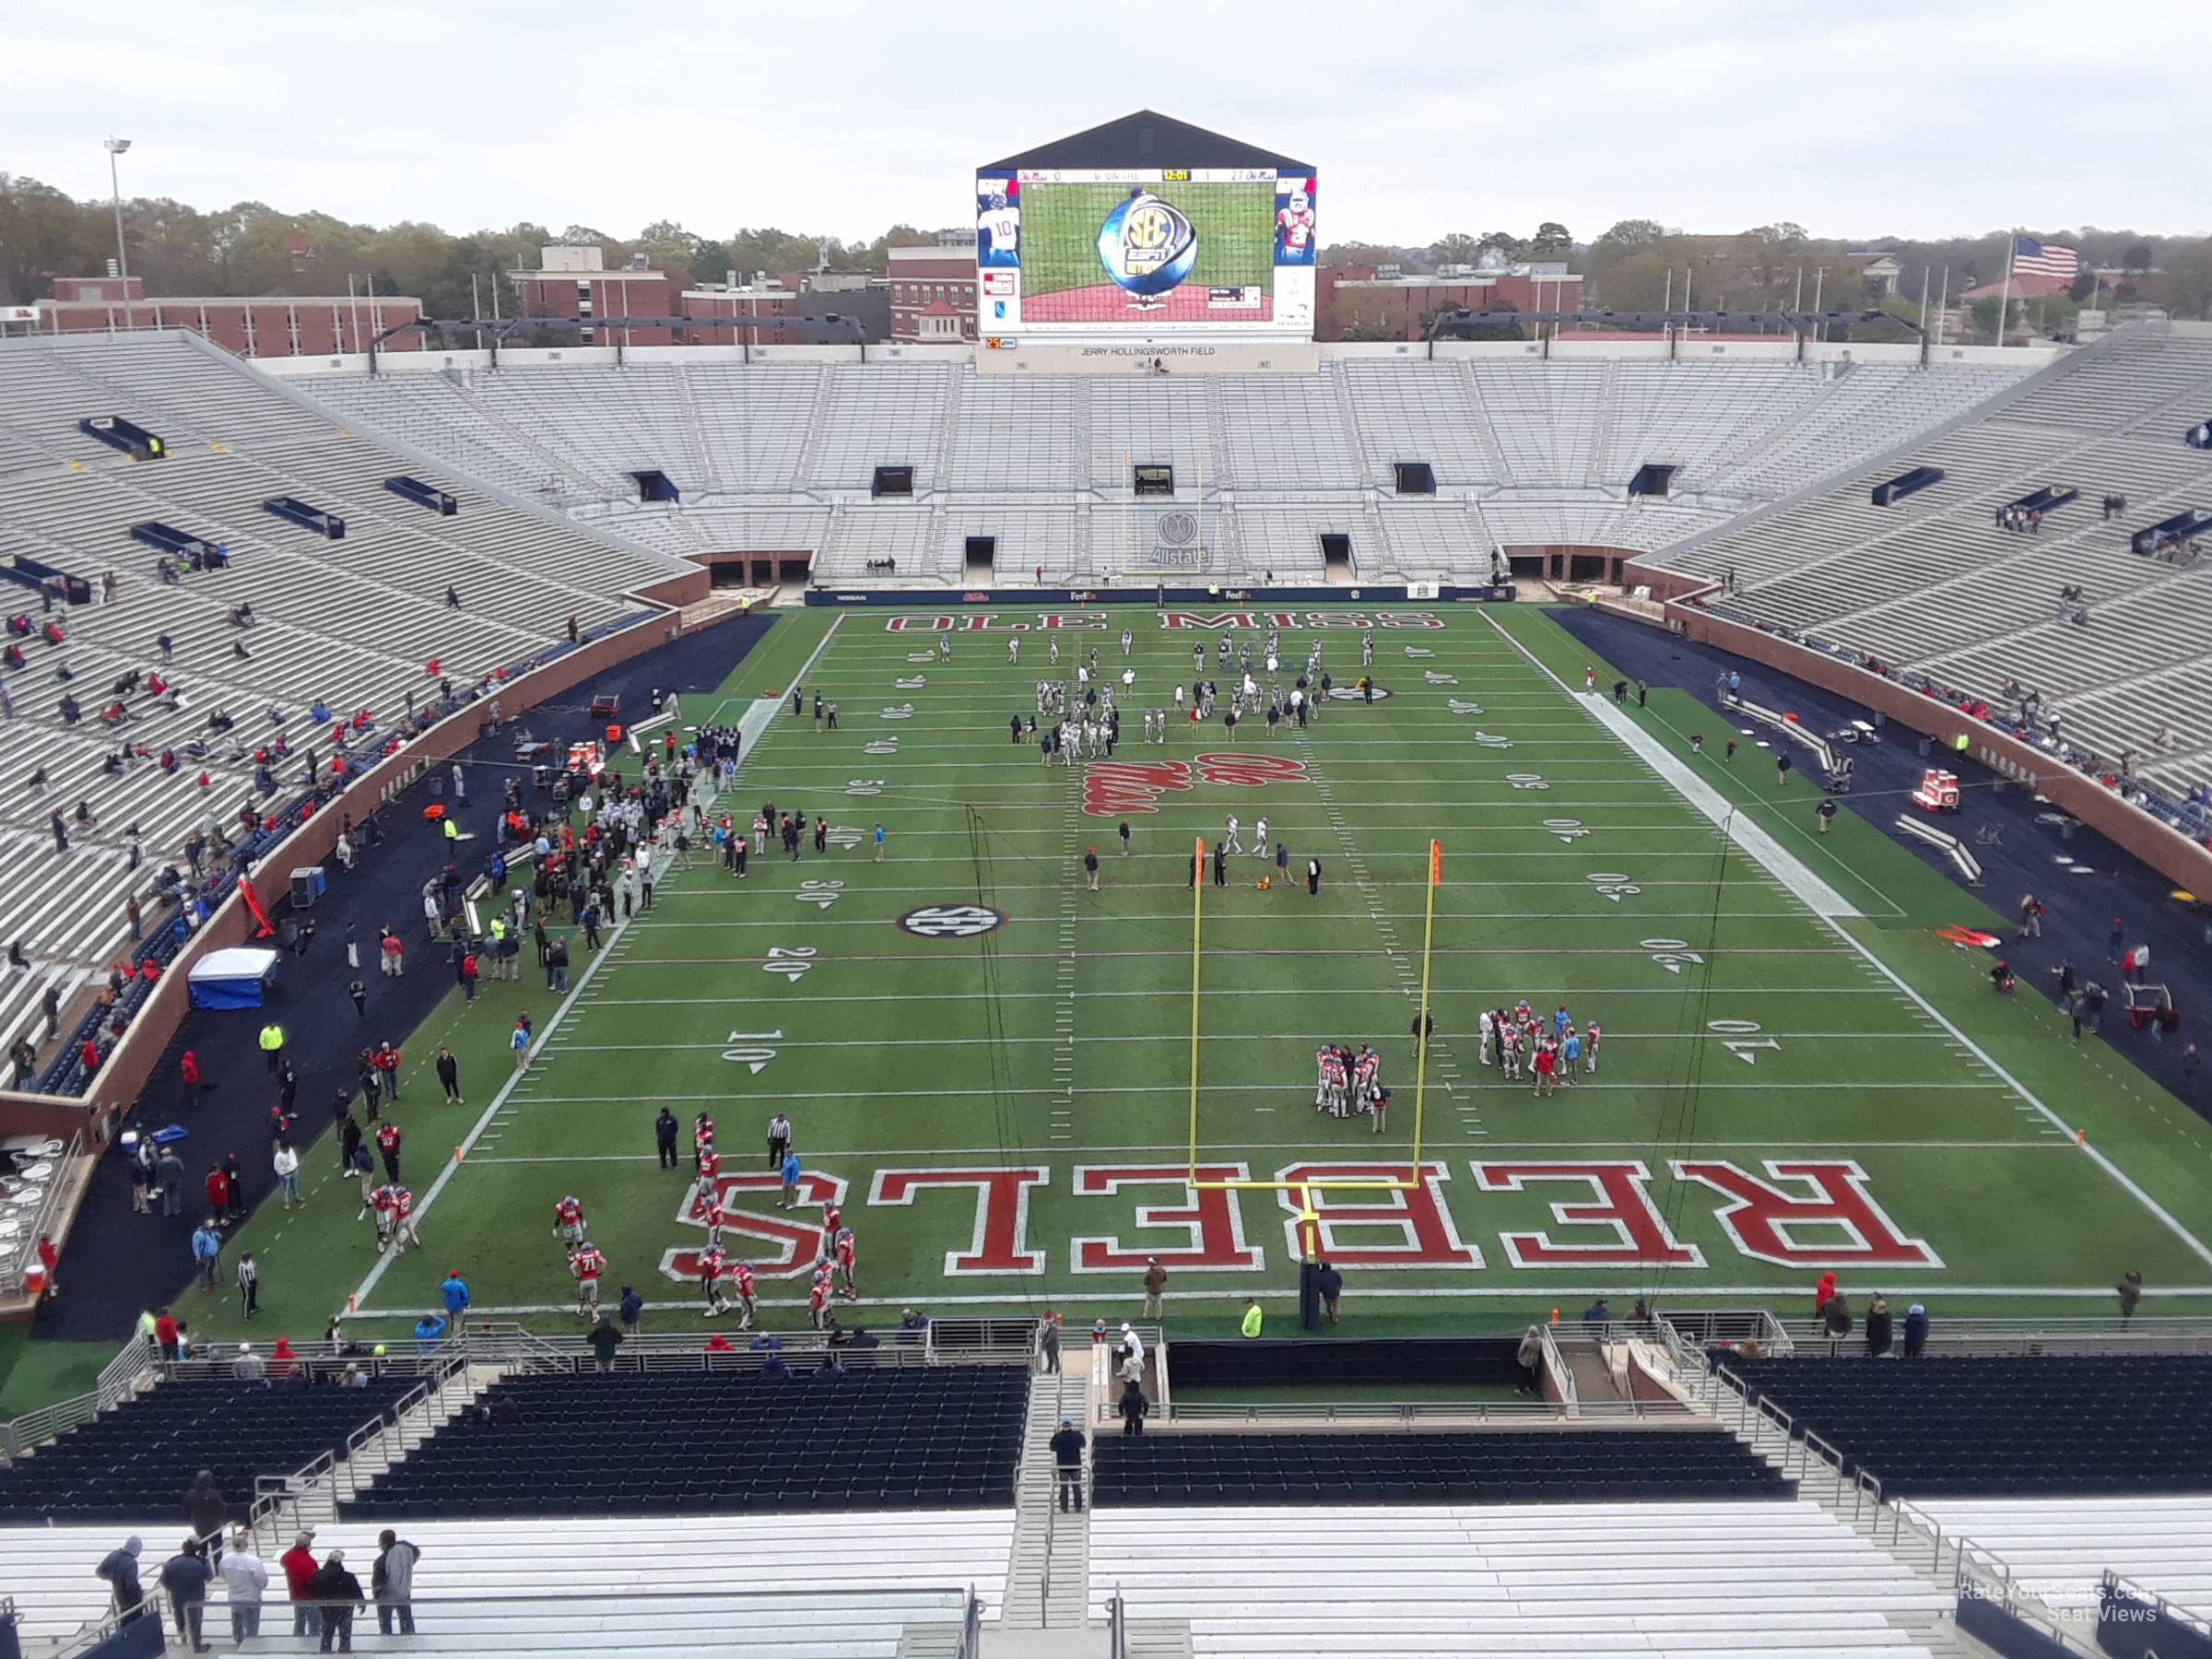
990, 1067
1235, 223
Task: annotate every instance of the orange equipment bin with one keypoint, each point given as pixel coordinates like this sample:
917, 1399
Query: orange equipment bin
1939, 791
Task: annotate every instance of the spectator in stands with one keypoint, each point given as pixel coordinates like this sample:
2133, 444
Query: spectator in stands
1877, 1326
248, 1367
2131, 1295
1134, 1406
340, 1594
391, 1581
203, 1504
1155, 1282
185, 1576
298, 1564
1067, 1458
1048, 1341
244, 1579
1916, 1331
1529, 1356
1835, 1321
605, 1339
120, 1569
1597, 1316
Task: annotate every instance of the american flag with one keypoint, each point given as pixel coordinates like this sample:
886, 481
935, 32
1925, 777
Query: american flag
2031, 258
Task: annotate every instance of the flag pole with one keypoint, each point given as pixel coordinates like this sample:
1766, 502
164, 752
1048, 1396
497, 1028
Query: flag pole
1197, 915
2012, 248
1420, 1030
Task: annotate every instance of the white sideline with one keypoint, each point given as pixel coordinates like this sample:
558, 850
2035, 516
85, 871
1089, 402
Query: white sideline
1777, 859
749, 726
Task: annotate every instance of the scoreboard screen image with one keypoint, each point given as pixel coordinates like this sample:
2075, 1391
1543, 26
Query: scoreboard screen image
1144, 250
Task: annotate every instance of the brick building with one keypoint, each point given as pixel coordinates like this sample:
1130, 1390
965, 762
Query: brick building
933, 294
265, 325
574, 282
1366, 302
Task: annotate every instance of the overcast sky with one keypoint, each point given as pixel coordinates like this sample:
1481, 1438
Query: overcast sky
1422, 118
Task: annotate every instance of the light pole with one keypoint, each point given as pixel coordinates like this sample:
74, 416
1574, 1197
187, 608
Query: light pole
122, 259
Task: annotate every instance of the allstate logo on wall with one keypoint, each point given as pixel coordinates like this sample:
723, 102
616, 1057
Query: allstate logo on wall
1147, 246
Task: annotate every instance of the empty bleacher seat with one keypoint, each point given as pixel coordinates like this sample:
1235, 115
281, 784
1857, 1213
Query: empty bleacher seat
136, 1461
2069, 1425
935, 1438
1581, 1466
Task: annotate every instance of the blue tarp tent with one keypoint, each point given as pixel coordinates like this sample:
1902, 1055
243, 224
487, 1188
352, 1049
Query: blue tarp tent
231, 979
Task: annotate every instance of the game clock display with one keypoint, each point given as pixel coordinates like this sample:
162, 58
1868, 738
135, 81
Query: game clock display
1162, 248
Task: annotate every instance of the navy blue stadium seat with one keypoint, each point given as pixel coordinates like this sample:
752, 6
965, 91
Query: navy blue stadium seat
2041, 1426
133, 1463
912, 1438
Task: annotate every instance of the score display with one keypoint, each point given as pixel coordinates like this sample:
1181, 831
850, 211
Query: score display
1141, 250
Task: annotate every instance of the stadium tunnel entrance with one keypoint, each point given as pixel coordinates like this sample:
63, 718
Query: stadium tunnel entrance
1570, 563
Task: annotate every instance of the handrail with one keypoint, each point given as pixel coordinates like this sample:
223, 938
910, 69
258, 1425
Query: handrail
12, 1274
1570, 1395
2165, 1608
1117, 1626
1441, 1410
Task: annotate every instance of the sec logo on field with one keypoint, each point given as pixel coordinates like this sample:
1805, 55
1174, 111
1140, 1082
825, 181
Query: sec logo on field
1353, 694
952, 921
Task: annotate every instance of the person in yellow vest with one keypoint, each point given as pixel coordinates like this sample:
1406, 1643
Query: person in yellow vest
503, 966
453, 834
272, 1044
1252, 1317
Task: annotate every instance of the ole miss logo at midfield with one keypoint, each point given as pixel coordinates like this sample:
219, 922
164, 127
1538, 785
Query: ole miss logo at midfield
1114, 787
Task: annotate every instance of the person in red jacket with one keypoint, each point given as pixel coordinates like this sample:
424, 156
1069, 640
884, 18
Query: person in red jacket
49, 1258
1822, 1291
188, 1069
299, 1564
219, 1193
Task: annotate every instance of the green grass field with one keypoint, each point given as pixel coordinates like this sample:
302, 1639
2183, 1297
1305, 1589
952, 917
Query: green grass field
1060, 233
1006, 1116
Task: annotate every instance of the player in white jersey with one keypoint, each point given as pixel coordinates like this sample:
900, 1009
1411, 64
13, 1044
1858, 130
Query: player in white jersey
1128, 640
1259, 839
1488, 1048
1366, 651
1053, 646
945, 648
1231, 843
1013, 648
999, 224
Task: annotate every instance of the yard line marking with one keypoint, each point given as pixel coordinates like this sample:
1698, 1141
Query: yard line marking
1062, 1039
1182, 1090
1676, 991
766, 713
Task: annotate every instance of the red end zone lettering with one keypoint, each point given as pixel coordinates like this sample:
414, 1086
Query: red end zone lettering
1002, 1214
1218, 620
792, 1246
1249, 771
1211, 1223
1640, 1237
920, 625
1764, 1221
1416, 1215
1114, 787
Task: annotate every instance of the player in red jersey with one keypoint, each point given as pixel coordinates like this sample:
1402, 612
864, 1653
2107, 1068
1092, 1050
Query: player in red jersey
832, 1220
817, 1299
703, 1194
741, 1282
567, 1222
846, 1257
403, 1220
386, 1214
702, 1135
586, 1263
717, 1218
711, 1268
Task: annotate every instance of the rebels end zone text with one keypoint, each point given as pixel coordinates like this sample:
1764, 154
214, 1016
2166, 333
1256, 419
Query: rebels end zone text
1800, 1214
